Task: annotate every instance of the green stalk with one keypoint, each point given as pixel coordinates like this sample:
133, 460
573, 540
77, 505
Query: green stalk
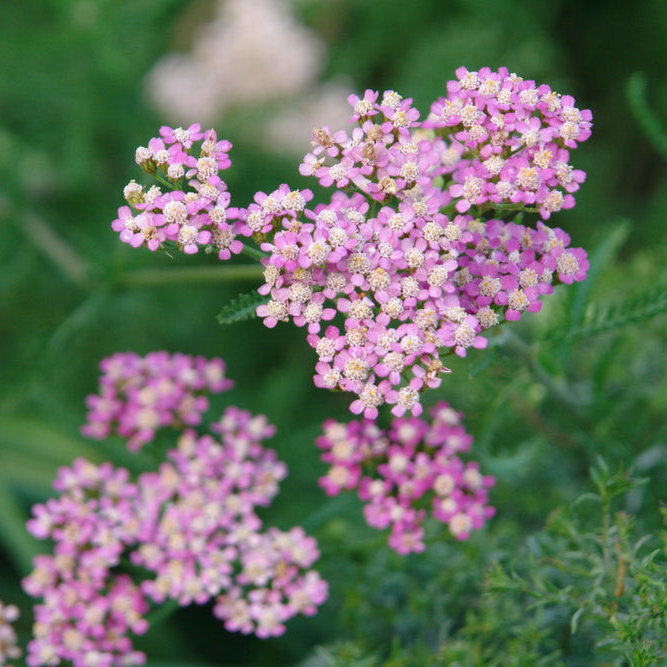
71, 263
254, 253
188, 275
557, 390
20, 545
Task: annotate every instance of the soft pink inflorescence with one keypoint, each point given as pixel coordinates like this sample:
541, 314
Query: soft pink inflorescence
192, 527
137, 395
415, 253
87, 612
9, 649
189, 218
400, 471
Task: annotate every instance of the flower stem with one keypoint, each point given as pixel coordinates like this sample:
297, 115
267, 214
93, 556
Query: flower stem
162, 612
557, 390
70, 262
190, 274
254, 253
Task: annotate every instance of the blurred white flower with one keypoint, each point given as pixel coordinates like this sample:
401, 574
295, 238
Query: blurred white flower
253, 51
291, 130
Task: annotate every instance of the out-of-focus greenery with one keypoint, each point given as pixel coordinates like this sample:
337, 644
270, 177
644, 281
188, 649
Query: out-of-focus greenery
583, 379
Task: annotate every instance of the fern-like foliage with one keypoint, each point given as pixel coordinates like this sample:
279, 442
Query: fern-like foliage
634, 309
647, 120
241, 308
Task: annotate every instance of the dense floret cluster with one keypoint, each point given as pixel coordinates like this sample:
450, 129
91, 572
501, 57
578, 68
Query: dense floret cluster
401, 471
186, 532
184, 219
416, 253
138, 395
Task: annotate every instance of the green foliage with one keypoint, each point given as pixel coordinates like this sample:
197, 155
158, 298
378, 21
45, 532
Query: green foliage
602, 573
588, 589
601, 318
647, 119
241, 308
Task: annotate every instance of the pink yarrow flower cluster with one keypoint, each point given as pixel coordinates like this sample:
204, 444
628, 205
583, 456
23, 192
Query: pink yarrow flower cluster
414, 255
401, 471
408, 290
191, 525
137, 395
193, 210
512, 137
415, 268
87, 613
9, 649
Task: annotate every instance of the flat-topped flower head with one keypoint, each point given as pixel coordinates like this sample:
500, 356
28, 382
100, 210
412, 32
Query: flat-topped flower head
417, 465
137, 395
416, 226
188, 214
189, 529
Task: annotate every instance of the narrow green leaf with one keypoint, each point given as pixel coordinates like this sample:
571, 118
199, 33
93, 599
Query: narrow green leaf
647, 120
632, 310
241, 308
40, 440
574, 622
585, 497
20, 547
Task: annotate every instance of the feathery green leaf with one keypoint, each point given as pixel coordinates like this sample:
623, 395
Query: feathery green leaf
241, 308
632, 310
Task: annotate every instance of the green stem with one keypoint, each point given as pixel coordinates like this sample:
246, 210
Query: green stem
253, 253
161, 613
186, 275
358, 548
21, 547
648, 121
166, 183
70, 263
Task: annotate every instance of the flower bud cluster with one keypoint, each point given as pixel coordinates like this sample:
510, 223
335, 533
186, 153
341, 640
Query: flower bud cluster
401, 471
511, 137
138, 395
9, 649
186, 217
186, 532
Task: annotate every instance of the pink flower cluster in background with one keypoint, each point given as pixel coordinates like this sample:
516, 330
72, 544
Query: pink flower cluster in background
190, 527
415, 254
400, 471
9, 649
138, 395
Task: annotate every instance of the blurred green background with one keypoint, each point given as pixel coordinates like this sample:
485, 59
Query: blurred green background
74, 104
